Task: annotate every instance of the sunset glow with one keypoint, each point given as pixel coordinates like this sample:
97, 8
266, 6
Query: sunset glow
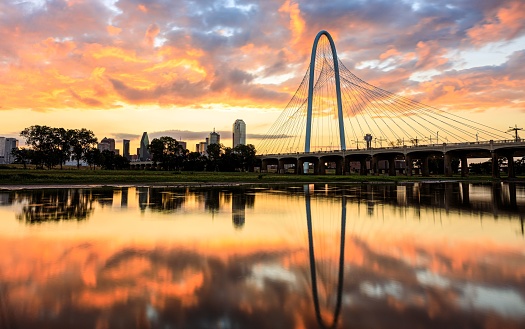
181, 68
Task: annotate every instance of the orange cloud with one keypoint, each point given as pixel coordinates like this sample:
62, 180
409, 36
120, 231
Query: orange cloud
503, 23
142, 8
297, 23
152, 31
113, 30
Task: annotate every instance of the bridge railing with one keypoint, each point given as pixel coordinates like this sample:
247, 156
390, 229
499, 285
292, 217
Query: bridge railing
481, 143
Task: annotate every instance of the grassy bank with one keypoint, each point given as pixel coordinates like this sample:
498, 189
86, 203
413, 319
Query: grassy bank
107, 177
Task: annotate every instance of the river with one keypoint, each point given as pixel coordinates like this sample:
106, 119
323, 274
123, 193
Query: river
414, 255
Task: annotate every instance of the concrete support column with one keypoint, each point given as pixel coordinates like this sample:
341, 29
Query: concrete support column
280, 167
339, 166
316, 166
464, 166
409, 164
447, 163
495, 165
510, 164
362, 166
322, 167
425, 171
392, 166
375, 165
346, 165
300, 167
264, 166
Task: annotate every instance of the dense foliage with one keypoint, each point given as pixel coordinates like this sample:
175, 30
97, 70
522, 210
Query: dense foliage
50, 147
167, 153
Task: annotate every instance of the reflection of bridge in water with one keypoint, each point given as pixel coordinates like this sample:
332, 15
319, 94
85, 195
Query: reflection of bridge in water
327, 280
314, 268
499, 200
332, 109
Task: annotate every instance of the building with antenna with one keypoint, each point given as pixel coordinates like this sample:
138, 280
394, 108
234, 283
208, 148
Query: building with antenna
215, 138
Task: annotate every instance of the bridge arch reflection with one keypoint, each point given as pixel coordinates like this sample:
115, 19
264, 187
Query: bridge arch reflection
313, 265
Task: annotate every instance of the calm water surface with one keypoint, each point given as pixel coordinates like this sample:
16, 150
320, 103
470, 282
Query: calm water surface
433, 255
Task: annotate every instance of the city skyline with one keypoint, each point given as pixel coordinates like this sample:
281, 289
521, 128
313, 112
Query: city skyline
121, 68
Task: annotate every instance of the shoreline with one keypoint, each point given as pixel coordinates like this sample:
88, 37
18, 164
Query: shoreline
14, 178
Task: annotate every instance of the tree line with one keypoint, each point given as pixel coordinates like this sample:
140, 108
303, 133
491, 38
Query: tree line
50, 147
169, 154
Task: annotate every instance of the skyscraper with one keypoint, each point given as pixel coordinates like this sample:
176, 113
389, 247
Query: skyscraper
6, 147
239, 133
215, 138
107, 144
125, 149
143, 149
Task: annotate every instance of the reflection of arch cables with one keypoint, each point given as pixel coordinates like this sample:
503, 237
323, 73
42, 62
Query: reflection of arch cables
313, 270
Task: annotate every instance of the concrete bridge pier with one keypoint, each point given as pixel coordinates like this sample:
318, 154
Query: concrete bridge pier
339, 166
425, 170
375, 165
300, 167
447, 164
316, 163
392, 166
362, 166
322, 167
464, 166
510, 164
264, 165
280, 167
346, 166
409, 165
495, 164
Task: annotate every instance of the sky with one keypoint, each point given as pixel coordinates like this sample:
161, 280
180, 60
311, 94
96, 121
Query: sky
183, 68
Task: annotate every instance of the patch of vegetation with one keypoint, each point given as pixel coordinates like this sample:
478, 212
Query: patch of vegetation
108, 177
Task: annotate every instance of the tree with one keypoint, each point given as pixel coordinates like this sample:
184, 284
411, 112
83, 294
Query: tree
246, 156
81, 141
22, 156
93, 157
41, 139
167, 152
61, 149
229, 160
214, 156
194, 161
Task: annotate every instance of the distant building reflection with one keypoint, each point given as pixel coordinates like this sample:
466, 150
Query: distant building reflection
241, 200
212, 200
500, 200
5, 199
124, 197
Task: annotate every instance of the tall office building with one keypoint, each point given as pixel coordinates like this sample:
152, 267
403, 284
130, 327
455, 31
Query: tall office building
125, 149
215, 138
143, 149
6, 147
183, 144
239, 133
107, 144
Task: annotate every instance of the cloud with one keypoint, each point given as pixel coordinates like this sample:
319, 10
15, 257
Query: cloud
197, 53
128, 136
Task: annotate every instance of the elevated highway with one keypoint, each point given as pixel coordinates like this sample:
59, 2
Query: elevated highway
368, 158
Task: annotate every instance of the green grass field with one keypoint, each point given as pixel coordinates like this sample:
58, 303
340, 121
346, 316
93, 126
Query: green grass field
15, 176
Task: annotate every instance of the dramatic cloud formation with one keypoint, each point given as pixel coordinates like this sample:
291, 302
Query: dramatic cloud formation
80, 55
